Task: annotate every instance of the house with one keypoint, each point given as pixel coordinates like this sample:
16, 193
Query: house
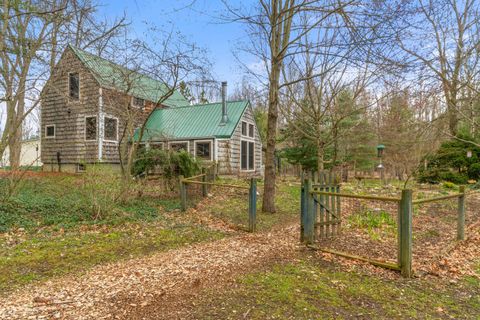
83, 118
29, 154
225, 133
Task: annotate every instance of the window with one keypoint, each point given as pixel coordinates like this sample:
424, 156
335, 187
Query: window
90, 128
50, 131
244, 128
156, 145
251, 130
203, 150
81, 167
177, 146
111, 128
138, 102
74, 85
247, 155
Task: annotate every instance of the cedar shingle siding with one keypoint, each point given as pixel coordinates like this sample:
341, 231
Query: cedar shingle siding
67, 108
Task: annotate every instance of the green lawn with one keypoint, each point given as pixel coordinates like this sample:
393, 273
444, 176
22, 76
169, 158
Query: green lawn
316, 290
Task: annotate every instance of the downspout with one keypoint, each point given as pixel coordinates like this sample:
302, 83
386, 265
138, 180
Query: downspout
101, 124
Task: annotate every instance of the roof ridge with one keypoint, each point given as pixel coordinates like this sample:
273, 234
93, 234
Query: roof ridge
208, 104
74, 48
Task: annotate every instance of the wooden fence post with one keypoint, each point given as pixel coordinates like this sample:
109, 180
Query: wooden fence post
309, 228
405, 237
252, 205
204, 186
183, 194
461, 215
303, 208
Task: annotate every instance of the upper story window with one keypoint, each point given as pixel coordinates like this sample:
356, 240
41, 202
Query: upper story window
138, 102
111, 129
251, 130
74, 85
91, 128
50, 131
244, 128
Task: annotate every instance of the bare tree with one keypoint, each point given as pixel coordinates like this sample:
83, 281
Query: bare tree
275, 28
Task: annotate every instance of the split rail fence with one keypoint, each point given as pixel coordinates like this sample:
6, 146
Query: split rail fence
193, 189
322, 206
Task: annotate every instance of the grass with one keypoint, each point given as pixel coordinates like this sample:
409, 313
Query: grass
234, 207
375, 222
47, 255
61, 202
48, 229
305, 290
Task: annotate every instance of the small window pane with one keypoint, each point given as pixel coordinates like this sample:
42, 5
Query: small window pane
251, 130
203, 150
50, 131
179, 146
111, 129
91, 128
243, 155
74, 84
244, 128
251, 156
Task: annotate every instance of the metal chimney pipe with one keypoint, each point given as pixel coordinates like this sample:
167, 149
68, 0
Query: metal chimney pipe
224, 104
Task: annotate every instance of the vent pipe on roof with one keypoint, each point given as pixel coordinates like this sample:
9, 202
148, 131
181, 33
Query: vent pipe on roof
224, 104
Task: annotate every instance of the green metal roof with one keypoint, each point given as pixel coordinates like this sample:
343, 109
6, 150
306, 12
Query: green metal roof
111, 75
198, 121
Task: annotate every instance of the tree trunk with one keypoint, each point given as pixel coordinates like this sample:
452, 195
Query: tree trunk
320, 165
268, 204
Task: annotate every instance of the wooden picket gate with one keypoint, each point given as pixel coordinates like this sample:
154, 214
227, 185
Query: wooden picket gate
327, 206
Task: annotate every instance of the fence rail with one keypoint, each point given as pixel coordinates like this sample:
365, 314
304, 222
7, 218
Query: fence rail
405, 207
252, 194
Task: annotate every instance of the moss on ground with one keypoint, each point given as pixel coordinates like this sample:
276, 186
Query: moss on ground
44, 256
310, 291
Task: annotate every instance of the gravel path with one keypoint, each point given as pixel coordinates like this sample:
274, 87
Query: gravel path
127, 289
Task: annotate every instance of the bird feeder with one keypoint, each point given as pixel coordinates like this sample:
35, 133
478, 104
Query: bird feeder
380, 149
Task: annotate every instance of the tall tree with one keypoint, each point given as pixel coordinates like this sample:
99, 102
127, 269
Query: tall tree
275, 28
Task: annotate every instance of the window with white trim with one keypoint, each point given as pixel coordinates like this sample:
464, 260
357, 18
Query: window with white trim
251, 130
244, 128
50, 131
91, 128
203, 150
111, 129
156, 145
247, 155
177, 146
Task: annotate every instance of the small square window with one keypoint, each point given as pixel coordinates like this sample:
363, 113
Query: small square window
74, 85
244, 128
203, 150
81, 167
111, 126
50, 131
91, 128
251, 131
138, 102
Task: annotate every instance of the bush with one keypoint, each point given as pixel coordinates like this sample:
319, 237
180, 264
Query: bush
457, 178
474, 171
169, 163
